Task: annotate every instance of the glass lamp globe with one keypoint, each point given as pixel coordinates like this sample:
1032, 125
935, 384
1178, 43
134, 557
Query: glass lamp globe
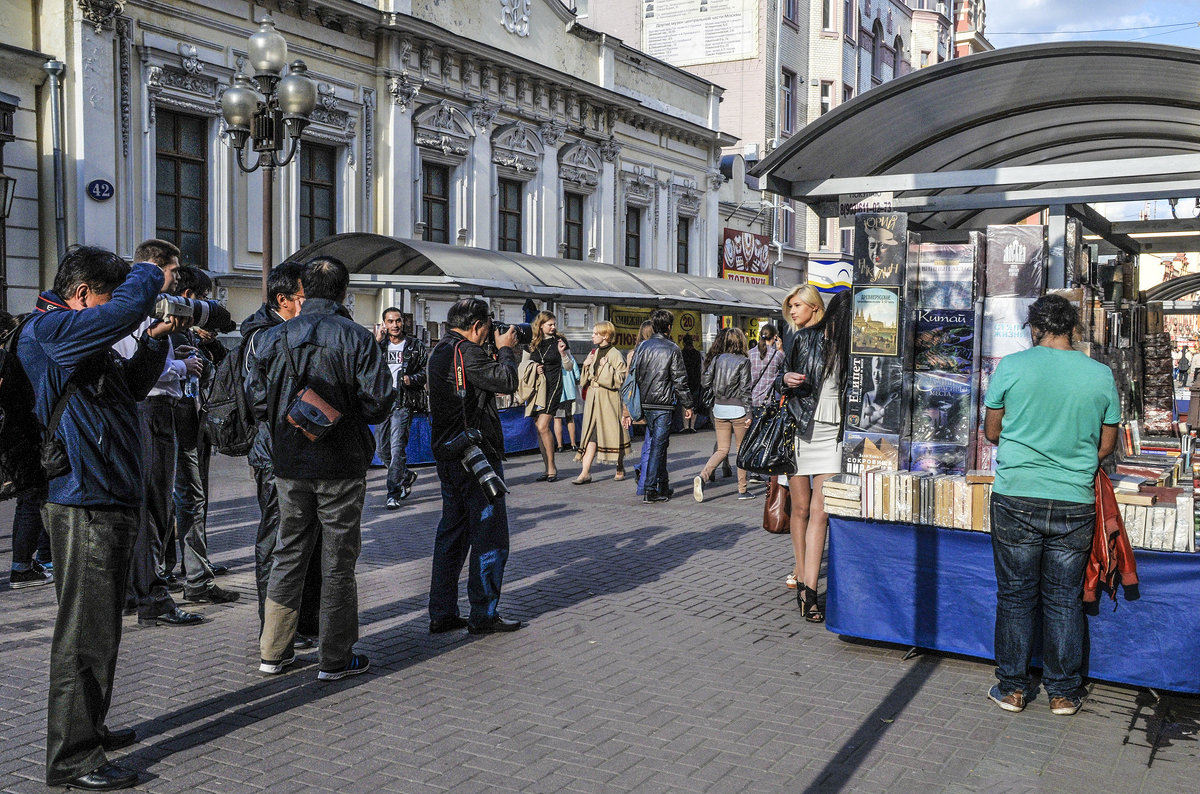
268, 49
240, 102
297, 92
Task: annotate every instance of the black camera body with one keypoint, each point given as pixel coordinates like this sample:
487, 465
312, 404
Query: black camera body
524, 331
466, 447
206, 314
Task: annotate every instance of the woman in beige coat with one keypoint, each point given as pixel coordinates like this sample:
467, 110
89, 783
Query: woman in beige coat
603, 436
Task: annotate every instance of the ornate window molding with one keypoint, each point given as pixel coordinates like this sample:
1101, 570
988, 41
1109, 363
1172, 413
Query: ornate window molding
517, 150
98, 13
404, 89
687, 199
639, 187
580, 164
443, 127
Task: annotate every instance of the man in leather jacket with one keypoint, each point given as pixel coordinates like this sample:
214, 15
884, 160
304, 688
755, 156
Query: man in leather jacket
406, 359
322, 479
463, 383
662, 381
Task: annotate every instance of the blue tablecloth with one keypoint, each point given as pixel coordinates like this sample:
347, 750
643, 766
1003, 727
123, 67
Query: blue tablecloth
936, 588
520, 435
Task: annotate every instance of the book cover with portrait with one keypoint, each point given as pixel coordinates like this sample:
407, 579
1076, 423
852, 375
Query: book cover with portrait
880, 248
875, 394
941, 408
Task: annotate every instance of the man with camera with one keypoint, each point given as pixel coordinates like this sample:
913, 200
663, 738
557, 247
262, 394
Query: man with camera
92, 512
151, 580
406, 359
318, 380
468, 443
286, 296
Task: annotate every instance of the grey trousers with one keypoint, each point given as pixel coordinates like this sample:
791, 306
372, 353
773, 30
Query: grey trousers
264, 557
191, 497
148, 590
91, 564
337, 506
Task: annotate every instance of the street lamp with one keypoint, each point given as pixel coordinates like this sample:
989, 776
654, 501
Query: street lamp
270, 111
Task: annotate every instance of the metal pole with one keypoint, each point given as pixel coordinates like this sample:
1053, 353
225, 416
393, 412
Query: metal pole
55, 70
268, 221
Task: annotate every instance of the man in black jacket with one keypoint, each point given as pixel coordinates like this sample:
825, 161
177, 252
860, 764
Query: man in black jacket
286, 297
662, 382
324, 478
406, 359
463, 383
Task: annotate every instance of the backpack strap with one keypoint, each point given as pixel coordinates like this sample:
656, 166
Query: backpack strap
60, 405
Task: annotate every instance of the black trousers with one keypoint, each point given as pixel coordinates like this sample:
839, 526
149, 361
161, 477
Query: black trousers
264, 557
148, 590
91, 564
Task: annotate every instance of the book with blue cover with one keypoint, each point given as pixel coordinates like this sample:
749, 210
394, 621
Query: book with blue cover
945, 340
947, 276
936, 457
941, 408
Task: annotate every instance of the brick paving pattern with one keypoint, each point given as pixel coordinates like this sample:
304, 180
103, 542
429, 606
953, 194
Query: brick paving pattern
662, 654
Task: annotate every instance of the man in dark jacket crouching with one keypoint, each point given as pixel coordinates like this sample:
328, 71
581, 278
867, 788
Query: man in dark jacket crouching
92, 510
319, 475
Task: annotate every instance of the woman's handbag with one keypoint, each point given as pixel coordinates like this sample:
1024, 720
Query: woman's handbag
770, 443
631, 395
777, 511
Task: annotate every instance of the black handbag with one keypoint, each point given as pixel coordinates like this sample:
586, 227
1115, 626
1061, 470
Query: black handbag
770, 444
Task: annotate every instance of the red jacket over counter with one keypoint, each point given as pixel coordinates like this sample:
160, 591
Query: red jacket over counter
1112, 556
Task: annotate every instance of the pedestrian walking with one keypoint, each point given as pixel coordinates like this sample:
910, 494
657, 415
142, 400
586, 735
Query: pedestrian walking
693, 365
549, 352
319, 380
603, 437
726, 386
766, 358
406, 359
1054, 414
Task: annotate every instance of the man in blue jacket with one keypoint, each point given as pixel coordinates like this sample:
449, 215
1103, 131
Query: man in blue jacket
92, 510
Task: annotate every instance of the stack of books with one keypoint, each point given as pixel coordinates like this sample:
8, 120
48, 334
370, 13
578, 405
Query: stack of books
842, 494
957, 501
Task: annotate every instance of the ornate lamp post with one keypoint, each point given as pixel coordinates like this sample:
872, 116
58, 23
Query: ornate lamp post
270, 111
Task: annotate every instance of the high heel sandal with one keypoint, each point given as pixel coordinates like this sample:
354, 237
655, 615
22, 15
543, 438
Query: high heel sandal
806, 599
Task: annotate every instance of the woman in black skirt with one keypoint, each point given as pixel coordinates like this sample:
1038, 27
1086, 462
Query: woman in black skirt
548, 350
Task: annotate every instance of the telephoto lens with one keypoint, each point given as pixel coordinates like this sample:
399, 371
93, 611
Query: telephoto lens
474, 461
206, 314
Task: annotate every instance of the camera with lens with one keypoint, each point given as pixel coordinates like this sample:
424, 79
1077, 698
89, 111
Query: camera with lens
206, 314
524, 331
466, 447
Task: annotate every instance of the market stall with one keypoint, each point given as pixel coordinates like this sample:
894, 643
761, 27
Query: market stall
980, 206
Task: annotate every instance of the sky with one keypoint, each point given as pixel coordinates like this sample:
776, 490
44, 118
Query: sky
1014, 22
1034, 21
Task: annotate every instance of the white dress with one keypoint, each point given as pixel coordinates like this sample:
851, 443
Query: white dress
822, 454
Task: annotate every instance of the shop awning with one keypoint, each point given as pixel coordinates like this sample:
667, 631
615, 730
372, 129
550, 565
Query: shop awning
416, 265
996, 136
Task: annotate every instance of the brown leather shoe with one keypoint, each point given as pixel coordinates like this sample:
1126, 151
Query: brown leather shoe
1064, 706
1013, 701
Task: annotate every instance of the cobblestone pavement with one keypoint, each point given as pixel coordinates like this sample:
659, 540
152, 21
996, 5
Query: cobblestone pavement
662, 654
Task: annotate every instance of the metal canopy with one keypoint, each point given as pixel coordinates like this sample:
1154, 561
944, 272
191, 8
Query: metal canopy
995, 136
433, 267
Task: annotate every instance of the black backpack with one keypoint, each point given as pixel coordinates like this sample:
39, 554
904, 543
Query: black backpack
228, 424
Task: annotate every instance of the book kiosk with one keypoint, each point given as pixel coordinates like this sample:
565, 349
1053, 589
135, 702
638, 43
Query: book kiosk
909, 558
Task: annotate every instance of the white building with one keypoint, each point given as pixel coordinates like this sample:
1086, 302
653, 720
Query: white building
501, 124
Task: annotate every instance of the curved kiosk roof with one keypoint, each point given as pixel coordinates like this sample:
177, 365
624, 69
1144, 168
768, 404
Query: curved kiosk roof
993, 137
434, 267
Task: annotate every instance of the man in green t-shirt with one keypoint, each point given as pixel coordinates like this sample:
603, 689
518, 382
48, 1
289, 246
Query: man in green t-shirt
1054, 413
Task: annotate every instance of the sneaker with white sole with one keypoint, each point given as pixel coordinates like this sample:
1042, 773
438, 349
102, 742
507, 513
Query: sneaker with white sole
1065, 706
743, 495
1013, 701
276, 667
698, 488
357, 665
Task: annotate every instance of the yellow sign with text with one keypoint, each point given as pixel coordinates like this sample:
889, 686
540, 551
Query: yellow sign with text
629, 319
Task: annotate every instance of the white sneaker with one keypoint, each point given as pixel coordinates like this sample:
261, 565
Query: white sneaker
275, 668
698, 488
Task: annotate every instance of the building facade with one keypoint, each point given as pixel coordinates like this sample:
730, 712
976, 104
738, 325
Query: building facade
503, 125
970, 23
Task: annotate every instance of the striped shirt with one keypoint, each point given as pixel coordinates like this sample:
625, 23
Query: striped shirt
763, 371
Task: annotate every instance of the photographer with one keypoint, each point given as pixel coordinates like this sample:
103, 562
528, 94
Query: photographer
151, 580
318, 380
463, 383
92, 509
192, 453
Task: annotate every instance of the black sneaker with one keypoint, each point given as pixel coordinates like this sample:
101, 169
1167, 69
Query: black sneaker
406, 486
745, 494
34, 577
357, 665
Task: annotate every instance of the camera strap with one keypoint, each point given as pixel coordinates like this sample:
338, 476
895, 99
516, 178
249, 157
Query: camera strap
460, 380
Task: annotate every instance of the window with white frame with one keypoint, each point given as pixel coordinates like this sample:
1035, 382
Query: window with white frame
787, 102
181, 184
318, 194
509, 214
573, 204
683, 244
435, 202
633, 236
826, 96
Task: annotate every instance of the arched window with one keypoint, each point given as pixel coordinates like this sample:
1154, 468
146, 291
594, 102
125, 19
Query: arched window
877, 50
900, 59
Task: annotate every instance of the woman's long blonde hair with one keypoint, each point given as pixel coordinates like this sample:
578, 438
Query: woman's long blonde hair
538, 335
806, 293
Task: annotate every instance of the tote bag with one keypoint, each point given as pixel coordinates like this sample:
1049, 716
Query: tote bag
770, 444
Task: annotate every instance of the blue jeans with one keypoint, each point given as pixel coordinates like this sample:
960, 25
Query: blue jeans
470, 525
398, 462
658, 435
1041, 549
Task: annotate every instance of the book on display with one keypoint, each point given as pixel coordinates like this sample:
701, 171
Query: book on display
938, 457
945, 340
875, 330
947, 276
941, 409
875, 394
862, 452
1016, 261
1004, 328
880, 248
